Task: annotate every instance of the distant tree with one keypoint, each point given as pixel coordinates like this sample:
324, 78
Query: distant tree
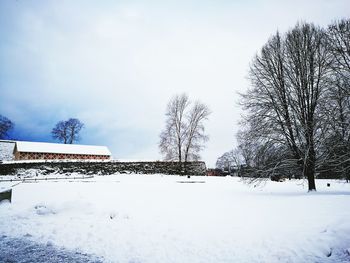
6, 126
173, 136
195, 132
228, 161
184, 133
67, 131
60, 132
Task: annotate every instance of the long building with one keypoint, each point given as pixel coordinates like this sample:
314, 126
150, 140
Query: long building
55, 151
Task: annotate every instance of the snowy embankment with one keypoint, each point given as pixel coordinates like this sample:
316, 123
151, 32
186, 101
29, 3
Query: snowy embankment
154, 218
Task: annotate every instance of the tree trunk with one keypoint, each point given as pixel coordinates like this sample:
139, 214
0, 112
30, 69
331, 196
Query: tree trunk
311, 178
179, 152
309, 169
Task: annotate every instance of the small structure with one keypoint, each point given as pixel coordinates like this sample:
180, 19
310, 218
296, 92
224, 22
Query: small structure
215, 172
6, 195
54, 151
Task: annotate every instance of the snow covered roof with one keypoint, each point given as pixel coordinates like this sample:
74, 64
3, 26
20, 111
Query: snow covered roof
44, 147
9, 141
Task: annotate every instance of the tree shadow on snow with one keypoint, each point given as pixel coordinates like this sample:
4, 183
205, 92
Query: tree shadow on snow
24, 250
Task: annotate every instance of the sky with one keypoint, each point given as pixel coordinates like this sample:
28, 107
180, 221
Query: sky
115, 64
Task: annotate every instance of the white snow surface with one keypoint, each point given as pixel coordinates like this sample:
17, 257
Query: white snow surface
44, 147
159, 218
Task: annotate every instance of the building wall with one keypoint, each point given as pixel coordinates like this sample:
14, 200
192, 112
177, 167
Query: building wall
57, 156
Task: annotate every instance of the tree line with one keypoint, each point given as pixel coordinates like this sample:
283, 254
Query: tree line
296, 118
67, 132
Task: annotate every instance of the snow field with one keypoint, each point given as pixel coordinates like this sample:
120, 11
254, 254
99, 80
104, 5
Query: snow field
154, 218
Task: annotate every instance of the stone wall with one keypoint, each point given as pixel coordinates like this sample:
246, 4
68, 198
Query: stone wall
104, 167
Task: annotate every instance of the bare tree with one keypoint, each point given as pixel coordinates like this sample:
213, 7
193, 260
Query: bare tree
288, 83
336, 147
184, 133
195, 135
67, 131
229, 161
339, 45
308, 69
173, 136
6, 126
60, 132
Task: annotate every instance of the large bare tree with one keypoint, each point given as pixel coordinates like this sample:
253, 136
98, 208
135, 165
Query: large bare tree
336, 151
289, 80
308, 69
184, 134
67, 131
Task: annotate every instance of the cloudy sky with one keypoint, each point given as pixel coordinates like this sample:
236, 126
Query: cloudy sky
115, 64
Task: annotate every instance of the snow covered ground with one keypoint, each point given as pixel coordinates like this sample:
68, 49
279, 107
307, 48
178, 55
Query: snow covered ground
156, 218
